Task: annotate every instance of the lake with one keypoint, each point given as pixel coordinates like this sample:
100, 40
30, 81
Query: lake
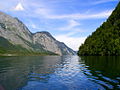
59, 73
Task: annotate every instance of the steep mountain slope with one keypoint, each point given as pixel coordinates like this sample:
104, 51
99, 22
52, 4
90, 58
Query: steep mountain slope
106, 39
51, 44
15, 38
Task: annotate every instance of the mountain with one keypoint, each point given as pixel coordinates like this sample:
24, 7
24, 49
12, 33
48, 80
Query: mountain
15, 38
106, 39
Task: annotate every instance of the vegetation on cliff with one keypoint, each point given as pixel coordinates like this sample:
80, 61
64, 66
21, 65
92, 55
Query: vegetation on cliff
106, 39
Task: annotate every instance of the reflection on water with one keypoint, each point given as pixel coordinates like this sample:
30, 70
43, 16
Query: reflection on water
59, 73
104, 70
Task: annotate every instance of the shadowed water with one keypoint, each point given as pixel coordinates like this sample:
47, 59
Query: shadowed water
59, 73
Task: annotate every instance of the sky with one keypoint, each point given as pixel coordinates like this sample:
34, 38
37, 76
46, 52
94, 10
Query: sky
69, 21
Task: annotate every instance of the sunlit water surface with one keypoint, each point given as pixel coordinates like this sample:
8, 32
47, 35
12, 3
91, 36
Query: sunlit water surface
59, 73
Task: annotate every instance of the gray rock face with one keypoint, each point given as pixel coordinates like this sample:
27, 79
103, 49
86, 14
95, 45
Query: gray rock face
14, 30
51, 44
17, 33
47, 41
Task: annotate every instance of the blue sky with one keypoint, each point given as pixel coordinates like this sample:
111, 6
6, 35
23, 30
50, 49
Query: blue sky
69, 21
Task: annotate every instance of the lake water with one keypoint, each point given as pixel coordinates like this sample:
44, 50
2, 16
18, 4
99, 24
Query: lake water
59, 73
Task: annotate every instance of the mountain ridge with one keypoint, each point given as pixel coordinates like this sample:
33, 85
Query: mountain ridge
15, 33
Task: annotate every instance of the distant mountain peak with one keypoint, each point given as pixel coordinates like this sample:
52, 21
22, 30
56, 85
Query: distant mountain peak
19, 7
44, 32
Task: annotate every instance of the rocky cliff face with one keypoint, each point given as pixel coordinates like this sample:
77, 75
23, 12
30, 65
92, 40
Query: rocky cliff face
47, 41
16, 33
51, 44
14, 30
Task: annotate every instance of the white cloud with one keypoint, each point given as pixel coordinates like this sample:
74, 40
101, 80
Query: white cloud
103, 1
43, 12
19, 7
100, 15
46, 13
72, 42
32, 25
71, 25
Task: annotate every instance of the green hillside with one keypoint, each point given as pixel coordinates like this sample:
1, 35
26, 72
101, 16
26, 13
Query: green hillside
8, 48
106, 39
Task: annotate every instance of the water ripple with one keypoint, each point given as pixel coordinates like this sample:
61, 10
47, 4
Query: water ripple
60, 73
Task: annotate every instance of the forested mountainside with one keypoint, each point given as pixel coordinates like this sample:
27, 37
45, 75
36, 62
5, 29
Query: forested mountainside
106, 39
